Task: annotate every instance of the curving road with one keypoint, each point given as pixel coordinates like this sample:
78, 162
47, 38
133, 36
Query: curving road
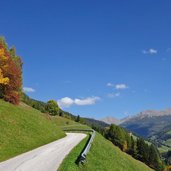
45, 158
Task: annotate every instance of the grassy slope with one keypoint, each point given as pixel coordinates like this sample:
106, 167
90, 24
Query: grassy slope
166, 143
65, 123
23, 128
103, 156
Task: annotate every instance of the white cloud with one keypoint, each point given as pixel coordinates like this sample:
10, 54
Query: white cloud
118, 86
121, 86
28, 90
67, 101
150, 51
112, 95
86, 101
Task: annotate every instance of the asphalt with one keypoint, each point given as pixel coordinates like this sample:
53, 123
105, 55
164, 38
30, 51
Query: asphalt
45, 158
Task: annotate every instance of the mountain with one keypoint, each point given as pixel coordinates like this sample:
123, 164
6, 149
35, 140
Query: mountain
111, 120
95, 123
151, 113
153, 125
148, 122
145, 123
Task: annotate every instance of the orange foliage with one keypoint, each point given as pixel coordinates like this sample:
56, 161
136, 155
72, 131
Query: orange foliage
10, 76
3, 80
169, 168
125, 146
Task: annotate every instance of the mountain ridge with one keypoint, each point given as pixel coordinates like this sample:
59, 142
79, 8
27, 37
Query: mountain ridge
144, 114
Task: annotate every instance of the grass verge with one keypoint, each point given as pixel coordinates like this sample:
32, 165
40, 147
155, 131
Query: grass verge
103, 156
69, 163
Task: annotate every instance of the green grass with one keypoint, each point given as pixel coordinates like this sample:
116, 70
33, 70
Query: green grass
168, 142
164, 149
23, 128
69, 162
79, 127
103, 156
65, 123
62, 121
168, 133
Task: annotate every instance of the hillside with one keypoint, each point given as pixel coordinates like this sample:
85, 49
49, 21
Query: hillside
103, 156
148, 122
162, 139
154, 126
24, 128
147, 126
147, 114
95, 123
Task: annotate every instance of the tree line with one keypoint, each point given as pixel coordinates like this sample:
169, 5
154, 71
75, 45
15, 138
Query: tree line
134, 146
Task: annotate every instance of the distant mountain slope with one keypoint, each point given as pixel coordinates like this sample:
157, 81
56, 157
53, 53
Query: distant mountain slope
162, 138
151, 113
95, 123
111, 120
148, 122
154, 126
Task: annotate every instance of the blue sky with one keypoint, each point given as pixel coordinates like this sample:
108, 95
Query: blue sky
96, 58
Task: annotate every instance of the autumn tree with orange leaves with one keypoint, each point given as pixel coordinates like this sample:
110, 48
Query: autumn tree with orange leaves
10, 74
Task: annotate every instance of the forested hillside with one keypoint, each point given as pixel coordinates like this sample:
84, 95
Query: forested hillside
134, 146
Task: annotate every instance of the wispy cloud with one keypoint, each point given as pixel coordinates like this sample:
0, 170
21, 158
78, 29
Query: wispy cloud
28, 90
121, 86
67, 101
112, 95
118, 86
150, 51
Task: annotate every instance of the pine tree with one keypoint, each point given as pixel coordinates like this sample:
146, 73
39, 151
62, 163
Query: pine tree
133, 148
154, 158
78, 118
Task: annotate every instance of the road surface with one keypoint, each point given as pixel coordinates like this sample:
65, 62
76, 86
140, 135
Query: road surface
45, 158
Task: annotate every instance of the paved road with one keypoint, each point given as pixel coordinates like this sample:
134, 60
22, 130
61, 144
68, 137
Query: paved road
45, 158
